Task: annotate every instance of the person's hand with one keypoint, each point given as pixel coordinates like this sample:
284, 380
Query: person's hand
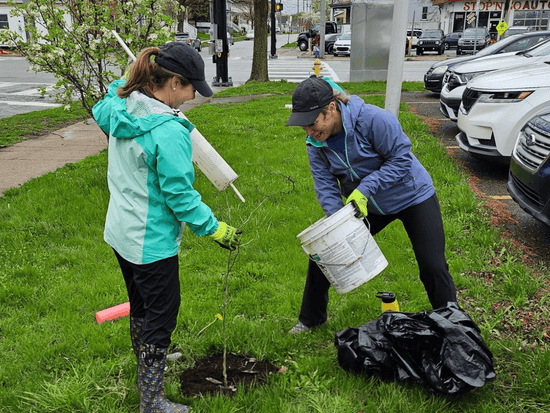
360, 202
227, 236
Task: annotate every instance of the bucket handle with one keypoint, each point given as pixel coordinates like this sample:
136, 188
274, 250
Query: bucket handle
349, 263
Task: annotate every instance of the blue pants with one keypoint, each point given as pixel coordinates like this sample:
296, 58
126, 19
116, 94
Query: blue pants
154, 293
424, 227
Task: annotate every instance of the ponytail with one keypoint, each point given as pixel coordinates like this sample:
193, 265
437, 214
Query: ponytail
145, 74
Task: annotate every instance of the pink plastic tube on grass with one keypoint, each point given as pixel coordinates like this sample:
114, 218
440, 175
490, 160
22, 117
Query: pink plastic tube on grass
112, 313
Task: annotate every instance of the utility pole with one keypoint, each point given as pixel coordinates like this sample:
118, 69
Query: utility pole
397, 50
477, 23
221, 47
322, 27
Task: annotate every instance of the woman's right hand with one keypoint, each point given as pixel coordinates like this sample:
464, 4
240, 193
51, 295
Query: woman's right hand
227, 237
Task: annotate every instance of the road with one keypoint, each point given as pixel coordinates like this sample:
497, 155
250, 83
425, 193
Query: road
18, 94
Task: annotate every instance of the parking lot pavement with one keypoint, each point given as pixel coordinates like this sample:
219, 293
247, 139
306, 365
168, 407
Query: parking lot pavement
487, 181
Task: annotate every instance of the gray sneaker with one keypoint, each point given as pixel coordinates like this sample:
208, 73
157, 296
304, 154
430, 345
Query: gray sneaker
299, 328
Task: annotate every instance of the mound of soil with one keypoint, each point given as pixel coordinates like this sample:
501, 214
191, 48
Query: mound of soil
206, 377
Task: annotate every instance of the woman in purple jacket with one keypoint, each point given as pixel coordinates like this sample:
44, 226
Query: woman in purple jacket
359, 153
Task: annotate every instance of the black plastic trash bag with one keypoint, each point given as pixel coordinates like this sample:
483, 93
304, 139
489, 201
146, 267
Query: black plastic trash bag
441, 350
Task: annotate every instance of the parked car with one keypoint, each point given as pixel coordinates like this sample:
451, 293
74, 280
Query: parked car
433, 79
456, 78
473, 38
415, 34
529, 176
431, 40
451, 40
303, 38
230, 39
249, 35
497, 105
330, 39
517, 30
342, 46
186, 38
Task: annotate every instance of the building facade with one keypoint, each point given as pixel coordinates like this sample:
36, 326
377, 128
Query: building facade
533, 13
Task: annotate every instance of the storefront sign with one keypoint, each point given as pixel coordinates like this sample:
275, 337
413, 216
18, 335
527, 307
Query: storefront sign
515, 5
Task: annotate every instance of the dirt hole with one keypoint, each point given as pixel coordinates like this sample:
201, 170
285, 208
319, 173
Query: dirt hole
206, 376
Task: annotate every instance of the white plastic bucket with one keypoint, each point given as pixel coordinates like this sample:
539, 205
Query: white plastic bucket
344, 249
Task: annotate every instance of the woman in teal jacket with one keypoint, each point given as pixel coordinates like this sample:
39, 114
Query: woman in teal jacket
150, 177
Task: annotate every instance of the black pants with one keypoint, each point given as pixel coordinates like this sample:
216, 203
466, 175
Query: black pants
424, 227
154, 293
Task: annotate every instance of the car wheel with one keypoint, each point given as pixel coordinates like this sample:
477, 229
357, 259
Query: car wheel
330, 47
302, 46
447, 46
440, 51
458, 51
418, 51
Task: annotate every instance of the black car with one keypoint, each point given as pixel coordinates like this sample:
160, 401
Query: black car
303, 38
529, 176
431, 40
186, 38
451, 40
433, 79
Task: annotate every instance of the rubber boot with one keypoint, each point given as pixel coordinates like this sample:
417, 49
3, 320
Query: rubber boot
152, 361
135, 333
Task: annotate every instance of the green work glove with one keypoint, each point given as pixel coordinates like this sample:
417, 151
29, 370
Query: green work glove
360, 202
227, 236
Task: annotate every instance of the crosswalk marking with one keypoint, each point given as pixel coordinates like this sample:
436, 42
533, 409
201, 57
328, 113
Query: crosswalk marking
28, 94
297, 70
31, 92
20, 103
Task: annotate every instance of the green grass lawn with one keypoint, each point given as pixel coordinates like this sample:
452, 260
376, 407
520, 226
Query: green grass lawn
56, 272
18, 128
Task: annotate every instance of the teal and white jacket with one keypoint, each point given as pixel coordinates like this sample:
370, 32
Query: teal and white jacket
150, 178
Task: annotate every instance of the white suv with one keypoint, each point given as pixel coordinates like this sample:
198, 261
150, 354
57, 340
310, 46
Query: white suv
497, 105
456, 78
342, 46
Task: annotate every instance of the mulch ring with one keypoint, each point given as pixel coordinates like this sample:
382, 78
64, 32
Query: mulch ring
206, 377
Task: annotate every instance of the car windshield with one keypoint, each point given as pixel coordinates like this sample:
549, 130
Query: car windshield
345, 36
431, 34
541, 49
472, 33
496, 46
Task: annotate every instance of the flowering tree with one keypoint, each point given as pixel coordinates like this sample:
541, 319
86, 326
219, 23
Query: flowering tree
73, 40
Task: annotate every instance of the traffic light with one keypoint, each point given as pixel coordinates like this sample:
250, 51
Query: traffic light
279, 7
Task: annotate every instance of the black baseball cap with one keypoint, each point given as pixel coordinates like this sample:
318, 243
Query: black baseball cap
184, 60
308, 99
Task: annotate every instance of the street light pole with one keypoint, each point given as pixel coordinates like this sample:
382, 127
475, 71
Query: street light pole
220, 56
273, 38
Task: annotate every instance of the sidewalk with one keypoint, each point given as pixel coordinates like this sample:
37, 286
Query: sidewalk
34, 157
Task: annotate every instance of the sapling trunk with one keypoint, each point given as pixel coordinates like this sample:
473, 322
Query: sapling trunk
224, 318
